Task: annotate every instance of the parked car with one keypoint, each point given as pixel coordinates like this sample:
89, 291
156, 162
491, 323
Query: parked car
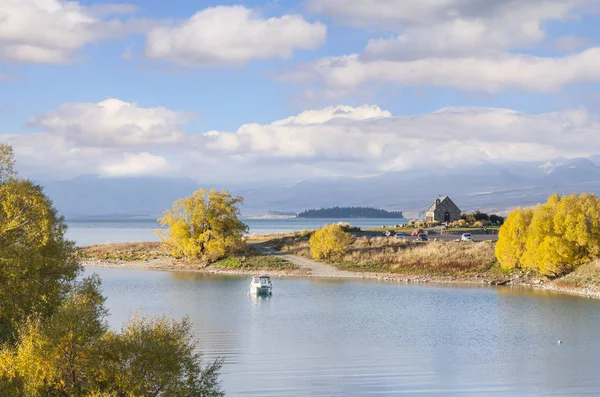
389, 233
400, 236
466, 237
422, 237
416, 232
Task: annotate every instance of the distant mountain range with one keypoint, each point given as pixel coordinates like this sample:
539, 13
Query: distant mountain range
490, 187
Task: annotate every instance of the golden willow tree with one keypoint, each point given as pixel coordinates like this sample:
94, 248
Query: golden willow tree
36, 260
330, 242
553, 238
54, 339
204, 226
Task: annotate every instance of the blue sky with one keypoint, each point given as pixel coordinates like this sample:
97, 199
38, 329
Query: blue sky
196, 89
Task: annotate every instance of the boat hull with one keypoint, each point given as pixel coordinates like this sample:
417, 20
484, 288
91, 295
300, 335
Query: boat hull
261, 290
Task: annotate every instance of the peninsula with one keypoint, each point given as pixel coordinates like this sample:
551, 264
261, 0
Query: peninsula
350, 212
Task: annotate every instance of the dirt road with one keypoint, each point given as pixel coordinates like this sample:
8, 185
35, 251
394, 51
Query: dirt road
317, 269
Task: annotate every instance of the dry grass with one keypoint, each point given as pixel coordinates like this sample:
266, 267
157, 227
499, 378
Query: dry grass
248, 259
434, 257
124, 251
587, 275
379, 254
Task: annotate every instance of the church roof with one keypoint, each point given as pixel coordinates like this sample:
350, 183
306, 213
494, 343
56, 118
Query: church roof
433, 206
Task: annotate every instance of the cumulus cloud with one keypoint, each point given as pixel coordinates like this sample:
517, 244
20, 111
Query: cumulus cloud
52, 31
232, 35
399, 14
341, 140
466, 44
113, 123
378, 141
496, 73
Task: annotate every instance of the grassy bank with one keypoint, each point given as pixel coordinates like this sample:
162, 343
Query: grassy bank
247, 260
380, 254
127, 252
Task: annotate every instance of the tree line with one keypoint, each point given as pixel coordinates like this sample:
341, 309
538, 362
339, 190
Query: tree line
350, 212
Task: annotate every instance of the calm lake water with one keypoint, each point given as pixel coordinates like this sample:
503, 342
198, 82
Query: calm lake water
115, 231
366, 338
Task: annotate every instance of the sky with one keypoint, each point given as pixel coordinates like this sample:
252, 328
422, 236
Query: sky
234, 91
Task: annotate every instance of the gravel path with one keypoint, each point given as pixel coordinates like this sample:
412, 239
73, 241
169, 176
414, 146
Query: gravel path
317, 269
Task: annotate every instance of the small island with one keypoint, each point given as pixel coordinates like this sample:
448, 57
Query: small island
350, 212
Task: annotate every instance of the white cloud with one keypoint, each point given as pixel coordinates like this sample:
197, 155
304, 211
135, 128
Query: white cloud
52, 31
400, 14
463, 30
496, 73
113, 123
340, 140
135, 165
232, 35
465, 44
381, 142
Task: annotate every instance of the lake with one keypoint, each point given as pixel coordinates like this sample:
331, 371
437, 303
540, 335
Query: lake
118, 231
317, 337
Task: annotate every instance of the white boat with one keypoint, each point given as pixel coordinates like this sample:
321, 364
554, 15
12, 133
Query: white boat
261, 285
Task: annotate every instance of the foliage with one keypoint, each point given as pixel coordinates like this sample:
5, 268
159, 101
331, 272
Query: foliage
483, 218
496, 219
330, 242
36, 260
349, 212
512, 237
157, 357
58, 357
203, 226
53, 333
348, 227
73, 354
553, 238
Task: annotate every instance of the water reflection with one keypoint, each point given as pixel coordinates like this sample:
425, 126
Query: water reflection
362, 337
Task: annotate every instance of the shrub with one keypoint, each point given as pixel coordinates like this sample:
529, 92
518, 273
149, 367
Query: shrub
331, 242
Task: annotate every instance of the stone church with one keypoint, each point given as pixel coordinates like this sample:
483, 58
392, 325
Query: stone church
442, 210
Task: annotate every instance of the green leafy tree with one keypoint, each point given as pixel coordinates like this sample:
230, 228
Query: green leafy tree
330, 242
59, 357
53, 335
74, 354
204, 226
157, 357
36, 260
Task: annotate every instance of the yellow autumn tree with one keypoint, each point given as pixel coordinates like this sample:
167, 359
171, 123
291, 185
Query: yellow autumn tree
555, 238
330, 242
36, 259
204, 225
512, 237
74, 354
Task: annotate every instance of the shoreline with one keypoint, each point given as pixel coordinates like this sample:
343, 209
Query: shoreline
171, 265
